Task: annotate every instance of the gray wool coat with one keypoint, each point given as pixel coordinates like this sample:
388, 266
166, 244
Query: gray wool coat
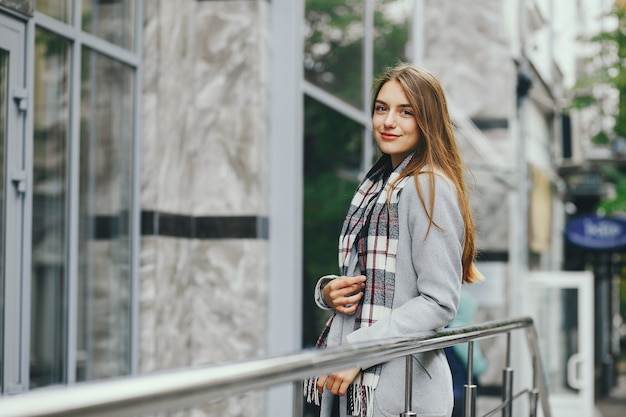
427, 288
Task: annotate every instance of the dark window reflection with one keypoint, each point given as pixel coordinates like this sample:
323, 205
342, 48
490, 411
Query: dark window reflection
391, 33
110, 20
49, 243
105, 190
333, 48
58, 9
332, 164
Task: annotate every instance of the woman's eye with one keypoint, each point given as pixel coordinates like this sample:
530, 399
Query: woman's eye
407, 113
380, 108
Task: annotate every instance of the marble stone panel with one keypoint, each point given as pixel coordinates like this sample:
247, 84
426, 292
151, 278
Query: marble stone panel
228, 296
205, 115
467, 48
202, 301
165, 317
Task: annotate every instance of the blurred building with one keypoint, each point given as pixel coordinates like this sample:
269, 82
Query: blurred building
175, 173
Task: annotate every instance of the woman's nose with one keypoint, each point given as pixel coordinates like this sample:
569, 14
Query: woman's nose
390, 120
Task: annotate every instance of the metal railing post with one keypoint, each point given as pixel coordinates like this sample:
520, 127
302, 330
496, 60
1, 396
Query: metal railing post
534, 401
408, 387
539, 378
507, 381
534, 392
469, 390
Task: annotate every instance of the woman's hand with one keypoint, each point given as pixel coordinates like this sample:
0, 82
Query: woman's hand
338, 382
343, 294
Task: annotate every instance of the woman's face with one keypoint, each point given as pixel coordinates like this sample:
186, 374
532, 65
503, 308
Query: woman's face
394, 124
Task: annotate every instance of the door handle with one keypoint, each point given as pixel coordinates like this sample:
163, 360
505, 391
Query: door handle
19, 181
21, 98
573, 374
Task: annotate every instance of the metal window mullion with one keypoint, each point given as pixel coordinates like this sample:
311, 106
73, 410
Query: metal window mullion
368, 78
15, 355
89, 201
73, 212
334, 103
93, 42
28, 206
136, 197
111, 50
55, 26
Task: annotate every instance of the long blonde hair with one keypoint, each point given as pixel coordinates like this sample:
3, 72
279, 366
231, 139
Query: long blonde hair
436, 148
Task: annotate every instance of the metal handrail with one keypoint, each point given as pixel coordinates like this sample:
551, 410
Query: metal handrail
181, 388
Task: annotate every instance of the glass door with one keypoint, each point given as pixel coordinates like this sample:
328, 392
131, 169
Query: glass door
562, 306
13, 191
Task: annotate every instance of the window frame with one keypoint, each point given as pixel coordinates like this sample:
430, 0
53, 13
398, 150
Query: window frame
78, 39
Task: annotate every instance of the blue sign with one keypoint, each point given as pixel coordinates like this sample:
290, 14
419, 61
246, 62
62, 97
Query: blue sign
597, 233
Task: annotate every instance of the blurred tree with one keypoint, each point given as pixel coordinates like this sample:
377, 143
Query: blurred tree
609, 74
603, 90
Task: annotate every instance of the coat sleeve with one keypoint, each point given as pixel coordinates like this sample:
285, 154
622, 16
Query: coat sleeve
436, 265
319, 288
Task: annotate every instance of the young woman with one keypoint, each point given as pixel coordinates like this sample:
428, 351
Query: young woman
406, 246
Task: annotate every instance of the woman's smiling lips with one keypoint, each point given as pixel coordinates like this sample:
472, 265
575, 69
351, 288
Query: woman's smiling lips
388, 136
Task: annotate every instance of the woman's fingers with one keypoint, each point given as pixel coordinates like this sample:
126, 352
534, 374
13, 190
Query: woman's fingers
339, 382
334, 385
348, 305
346, 290
343, 292
347, 282
321, 381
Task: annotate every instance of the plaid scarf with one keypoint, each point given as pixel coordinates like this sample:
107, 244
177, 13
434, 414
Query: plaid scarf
372, 225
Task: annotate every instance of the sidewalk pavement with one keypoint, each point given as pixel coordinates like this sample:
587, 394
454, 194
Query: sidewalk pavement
615, 404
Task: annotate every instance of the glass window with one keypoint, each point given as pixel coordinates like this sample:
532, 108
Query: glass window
111, 20
59, 9
49, 244
333, 48
391, 33
337, 149
332, 165
106, 156
558, 309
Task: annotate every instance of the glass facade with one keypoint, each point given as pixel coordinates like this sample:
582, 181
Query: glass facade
347, 44
113, 21
79, 283
333, 147
333, 47
392, 19
106, 150
50, 209
58, 9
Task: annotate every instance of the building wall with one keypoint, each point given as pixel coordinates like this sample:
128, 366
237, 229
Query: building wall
467, 46
204, 168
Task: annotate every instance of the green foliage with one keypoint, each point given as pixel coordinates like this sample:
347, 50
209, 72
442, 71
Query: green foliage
332, 148
606, 70
582, 101
333, 45
616, 205
601, 138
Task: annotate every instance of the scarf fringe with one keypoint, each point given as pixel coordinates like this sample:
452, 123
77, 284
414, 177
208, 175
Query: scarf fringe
361, 395
310, 391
